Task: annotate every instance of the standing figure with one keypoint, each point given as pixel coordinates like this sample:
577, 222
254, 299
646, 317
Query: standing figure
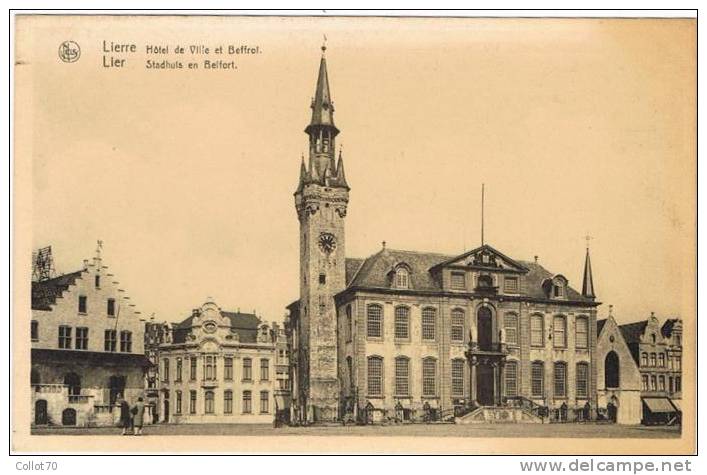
126, 419
138, 415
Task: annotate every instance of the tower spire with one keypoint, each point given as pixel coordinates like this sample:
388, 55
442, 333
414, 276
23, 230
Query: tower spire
588, 282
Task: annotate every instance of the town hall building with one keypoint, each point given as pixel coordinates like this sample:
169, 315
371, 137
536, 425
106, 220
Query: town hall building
411, 335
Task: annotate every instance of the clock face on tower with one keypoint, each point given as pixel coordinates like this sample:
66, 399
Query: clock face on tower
327, 242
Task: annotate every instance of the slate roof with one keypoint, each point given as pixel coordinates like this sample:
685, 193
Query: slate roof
45, 293
667, 328
372, 272
245, 325
600, 325
632, 332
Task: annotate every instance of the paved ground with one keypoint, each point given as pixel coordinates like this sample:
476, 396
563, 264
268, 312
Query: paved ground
428, 430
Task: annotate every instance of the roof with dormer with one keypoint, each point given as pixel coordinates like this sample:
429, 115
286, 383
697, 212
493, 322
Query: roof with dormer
245, 325
373, 271
633, 332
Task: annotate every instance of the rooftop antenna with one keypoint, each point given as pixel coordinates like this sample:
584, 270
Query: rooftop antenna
43, 264
482, 213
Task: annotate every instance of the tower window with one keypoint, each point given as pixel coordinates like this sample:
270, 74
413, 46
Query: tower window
82, 303
98, 281
322, 279
111, 307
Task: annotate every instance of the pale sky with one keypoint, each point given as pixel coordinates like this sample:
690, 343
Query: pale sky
575, 127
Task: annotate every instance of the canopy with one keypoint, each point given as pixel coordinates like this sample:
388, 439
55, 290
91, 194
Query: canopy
658, 404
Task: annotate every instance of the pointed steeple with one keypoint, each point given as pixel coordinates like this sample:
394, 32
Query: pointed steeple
303, 179
340, 175
322, 105
588, 282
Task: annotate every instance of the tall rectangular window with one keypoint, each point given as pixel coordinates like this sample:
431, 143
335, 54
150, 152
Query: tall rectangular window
192, 368
457, 330
165, 370
511, 379
559, 332
582, 380
110, 340
582, 332
178, 375
661, 360
349, 324
653, 360
402, 323
209, 402
83, 304
402, 376
654, 383
536, 330
82, 338
560, 380
247, 369
34, 332
264, 402
192, 402
126, 341
644, 382
228, 368
97, 281
510, 285
247, 402
458, 377
510, 326
209, 367
111, 307
65, 337
264, 369
661, 383
228, 402
374, 321
429, 324
537, 379
178, 403
458, 280
375, 376
429, 377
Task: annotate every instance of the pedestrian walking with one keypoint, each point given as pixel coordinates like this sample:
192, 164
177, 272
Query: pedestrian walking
125, 416
138, 415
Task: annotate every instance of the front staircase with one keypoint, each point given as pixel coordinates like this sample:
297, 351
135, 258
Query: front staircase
518, 410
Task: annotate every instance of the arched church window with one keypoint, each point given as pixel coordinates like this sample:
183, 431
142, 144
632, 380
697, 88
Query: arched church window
611, 370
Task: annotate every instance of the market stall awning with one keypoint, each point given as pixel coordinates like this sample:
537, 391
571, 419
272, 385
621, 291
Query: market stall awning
659, 404
677, 403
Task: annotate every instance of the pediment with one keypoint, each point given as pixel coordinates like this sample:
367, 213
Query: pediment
484, 257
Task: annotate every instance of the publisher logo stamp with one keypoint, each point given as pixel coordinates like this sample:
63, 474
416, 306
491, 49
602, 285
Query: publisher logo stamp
69, 52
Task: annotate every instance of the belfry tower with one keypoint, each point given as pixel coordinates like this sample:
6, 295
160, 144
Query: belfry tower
321, 200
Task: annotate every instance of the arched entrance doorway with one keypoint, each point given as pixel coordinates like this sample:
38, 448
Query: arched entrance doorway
612, 409
166, 410
40, 412
611, 370
484, 328
68, 417
116, 384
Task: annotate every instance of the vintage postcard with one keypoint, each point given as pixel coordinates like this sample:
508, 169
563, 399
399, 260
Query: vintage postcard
354, 234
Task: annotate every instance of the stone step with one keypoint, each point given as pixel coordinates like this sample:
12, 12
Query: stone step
499, 415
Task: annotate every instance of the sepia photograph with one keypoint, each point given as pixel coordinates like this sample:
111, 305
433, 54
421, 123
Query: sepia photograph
421, 234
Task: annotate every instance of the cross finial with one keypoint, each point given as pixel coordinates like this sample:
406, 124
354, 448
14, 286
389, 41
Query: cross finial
588, 238
611, 310
324, 45
383, 244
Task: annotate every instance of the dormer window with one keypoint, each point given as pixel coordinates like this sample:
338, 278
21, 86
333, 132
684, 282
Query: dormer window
402, 278
558, 290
